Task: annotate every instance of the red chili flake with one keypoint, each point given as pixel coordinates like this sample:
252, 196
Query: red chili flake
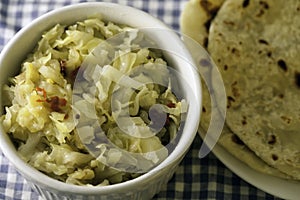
55, 103
62, 102
171, 105
44, 93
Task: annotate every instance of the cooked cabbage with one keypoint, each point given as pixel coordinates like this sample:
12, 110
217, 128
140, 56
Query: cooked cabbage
54, 134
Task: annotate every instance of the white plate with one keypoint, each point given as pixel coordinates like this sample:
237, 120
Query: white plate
282, 188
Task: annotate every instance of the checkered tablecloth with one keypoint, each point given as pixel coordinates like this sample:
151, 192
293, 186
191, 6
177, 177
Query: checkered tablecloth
196, 178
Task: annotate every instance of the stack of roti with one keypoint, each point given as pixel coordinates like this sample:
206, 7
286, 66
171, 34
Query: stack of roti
256, 46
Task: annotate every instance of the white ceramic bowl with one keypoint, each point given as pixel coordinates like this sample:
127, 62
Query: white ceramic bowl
145, 186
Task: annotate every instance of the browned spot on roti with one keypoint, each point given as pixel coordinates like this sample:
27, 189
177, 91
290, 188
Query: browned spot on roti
225, 67
262, 41
228, 23
235, 89
245, 3
264, 4
244, 120
229, 101
286, 119
274, 157
281, 96
281, 63
272, 139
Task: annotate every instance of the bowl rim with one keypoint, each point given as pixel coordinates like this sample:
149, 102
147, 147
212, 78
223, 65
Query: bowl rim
49, 183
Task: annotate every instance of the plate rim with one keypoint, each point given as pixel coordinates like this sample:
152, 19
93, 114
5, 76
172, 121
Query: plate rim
279, 187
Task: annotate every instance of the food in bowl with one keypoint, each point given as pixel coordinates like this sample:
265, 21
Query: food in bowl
51, 127
148, 184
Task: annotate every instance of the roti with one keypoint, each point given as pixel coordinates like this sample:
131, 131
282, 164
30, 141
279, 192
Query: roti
240, 33
256, 46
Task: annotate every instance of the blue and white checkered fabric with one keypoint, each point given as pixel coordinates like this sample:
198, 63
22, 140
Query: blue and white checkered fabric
196, 178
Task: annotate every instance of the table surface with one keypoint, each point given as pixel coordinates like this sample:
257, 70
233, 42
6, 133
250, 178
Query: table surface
205, 178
